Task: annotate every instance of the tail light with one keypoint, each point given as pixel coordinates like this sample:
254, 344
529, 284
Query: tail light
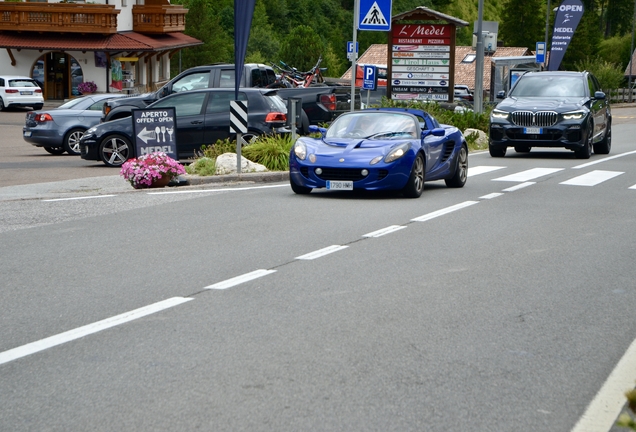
328, 101
11, 91
38, 90
276, 117
41, 118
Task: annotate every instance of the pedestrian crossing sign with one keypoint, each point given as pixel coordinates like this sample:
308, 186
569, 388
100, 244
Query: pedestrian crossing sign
375, 15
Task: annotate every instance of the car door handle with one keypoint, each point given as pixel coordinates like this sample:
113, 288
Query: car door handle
196, 122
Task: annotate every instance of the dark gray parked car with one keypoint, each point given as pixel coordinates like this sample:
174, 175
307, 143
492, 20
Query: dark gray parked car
552, 109
202, 118
59, 129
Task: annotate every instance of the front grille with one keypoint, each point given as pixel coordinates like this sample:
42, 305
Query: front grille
341, 174
382, 173
534, 119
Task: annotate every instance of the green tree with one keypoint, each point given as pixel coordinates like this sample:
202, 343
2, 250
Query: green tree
203, 24
585, 40
522, 24
616, 50
302, 47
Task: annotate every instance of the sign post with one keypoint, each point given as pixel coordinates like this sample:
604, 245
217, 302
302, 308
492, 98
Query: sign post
238, 125
540, 52
369, 79
154, 130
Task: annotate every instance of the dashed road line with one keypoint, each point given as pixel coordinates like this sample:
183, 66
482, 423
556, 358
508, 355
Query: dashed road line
482, 169
385, 231
229, 283
519, 186
444, 211
321, 252
34, 347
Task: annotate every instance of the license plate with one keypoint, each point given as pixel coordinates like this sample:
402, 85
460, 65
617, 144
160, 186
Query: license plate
27, 133
536, 131
339, 185
26, 93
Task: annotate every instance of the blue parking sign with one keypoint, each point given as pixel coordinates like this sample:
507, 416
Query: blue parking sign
369, 77
375, 15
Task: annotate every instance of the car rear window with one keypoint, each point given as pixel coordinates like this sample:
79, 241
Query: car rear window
22, 83
276, 103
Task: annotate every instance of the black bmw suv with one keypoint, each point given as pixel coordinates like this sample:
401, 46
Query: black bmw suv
552, 109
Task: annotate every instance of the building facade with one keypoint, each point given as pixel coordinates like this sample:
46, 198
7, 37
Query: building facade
120, 45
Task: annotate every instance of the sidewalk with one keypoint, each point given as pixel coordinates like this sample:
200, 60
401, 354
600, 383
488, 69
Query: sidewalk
116, 185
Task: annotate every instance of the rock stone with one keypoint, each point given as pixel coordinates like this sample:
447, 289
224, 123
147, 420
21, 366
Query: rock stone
482, 139
226, 164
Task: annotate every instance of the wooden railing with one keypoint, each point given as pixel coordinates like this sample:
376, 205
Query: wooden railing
159, 19
58, 17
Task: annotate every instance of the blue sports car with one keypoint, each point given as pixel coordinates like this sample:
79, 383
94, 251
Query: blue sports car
383, 148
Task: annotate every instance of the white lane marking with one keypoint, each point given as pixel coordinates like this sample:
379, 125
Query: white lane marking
229, 283
473, 171
78, 198
585, 165
519, 186
491, 196
444, 211
321, 252
95, 327
592, 178
602, 412
217, 190
632, 187
527, 175
384, 231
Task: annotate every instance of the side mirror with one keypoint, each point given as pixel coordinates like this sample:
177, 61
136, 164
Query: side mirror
434, 132
599, 95
316, 129
501, 94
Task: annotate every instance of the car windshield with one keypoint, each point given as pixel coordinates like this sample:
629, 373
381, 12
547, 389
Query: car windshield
379, 125
549, 86
73, 102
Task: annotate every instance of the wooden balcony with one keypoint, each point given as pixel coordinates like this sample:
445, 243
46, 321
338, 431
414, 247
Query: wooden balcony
158, 18
58, 17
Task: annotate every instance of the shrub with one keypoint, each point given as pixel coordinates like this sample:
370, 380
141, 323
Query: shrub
203, 166
271, 151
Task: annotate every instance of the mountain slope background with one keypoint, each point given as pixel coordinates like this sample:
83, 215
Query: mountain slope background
298, 32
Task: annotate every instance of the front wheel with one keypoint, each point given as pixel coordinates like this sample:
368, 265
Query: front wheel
586, 151
115, 150
415, 184
300, 190
461, 170
605, 145
72, 141
497, 151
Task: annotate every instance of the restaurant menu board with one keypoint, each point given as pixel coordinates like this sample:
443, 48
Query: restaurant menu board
421, 61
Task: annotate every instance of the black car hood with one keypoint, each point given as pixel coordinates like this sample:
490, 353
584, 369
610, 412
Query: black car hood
559, 105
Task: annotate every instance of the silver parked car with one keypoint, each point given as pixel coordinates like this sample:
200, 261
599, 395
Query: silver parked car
59, 130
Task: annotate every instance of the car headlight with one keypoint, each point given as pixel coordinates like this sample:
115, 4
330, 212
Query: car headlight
397, 153
574, 115
499, 114
300, 150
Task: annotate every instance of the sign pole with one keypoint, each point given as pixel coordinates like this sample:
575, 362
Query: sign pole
356, 11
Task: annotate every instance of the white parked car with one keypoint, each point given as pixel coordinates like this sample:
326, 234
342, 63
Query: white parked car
18, 91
